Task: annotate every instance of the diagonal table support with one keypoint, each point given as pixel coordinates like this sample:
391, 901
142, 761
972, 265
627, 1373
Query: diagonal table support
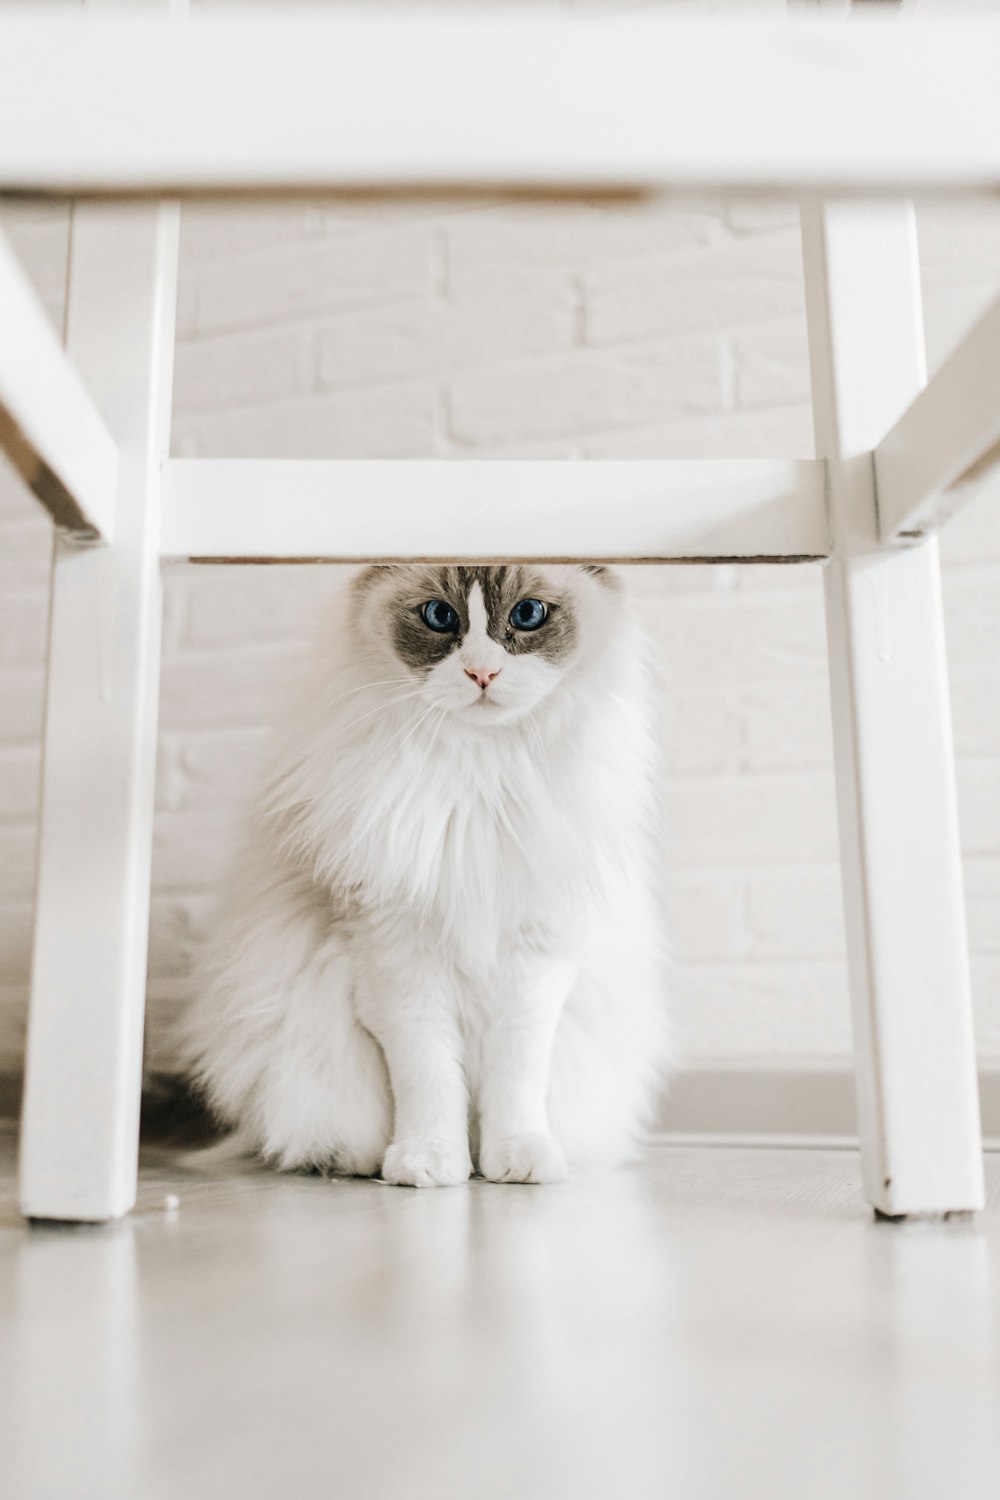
939, 452
50, 428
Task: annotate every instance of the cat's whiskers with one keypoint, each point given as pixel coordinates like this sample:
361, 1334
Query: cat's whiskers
536, 735
381, 708
412, 728
281, 803
364, 686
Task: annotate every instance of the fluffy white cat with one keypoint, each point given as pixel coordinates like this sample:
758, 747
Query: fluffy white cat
439, 947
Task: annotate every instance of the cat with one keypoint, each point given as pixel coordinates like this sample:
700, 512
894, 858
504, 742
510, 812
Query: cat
439, 948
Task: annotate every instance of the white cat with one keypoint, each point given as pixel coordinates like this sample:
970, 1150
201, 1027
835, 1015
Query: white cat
439, 947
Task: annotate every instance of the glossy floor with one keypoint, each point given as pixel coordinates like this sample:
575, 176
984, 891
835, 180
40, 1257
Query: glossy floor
710, 1323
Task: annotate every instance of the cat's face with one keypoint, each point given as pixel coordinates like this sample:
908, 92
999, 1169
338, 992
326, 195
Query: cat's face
486, 643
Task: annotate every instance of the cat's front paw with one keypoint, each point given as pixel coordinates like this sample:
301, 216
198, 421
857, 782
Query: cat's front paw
424, 1162
523, 1158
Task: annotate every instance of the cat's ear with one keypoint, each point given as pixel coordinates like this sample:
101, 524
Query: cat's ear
603, 574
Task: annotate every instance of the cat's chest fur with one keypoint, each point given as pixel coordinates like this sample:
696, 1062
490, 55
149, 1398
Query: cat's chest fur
478, 841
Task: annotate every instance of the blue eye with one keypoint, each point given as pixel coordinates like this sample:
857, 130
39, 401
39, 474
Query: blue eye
528, 614
439, 616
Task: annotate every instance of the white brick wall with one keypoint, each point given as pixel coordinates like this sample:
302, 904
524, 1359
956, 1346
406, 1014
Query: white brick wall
478, 332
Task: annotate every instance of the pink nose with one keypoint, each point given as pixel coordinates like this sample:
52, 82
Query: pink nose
481, 676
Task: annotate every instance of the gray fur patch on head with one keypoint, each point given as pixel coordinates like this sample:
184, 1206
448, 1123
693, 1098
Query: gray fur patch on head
505, 586
419, 647
410, 586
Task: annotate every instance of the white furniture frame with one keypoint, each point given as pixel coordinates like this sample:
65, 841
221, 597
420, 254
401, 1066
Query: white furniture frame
839, 113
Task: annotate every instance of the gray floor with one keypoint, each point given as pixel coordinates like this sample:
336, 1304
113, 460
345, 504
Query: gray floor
711, 1323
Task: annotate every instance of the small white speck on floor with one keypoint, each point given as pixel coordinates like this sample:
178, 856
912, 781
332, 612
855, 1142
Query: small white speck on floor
171, 1202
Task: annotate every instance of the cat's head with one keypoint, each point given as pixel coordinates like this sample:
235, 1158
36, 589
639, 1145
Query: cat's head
486, 643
